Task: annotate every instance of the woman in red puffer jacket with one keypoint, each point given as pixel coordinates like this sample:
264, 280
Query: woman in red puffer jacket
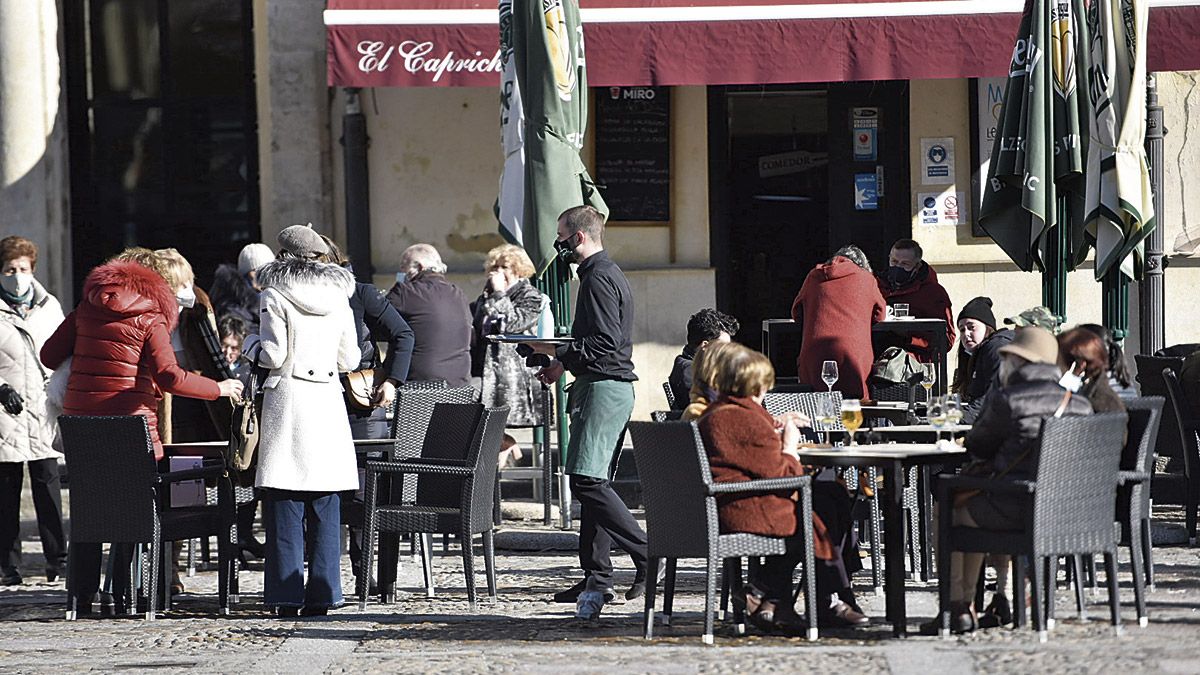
119, 338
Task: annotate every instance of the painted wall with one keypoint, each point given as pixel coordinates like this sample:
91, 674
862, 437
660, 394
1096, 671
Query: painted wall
969, 266
435, 166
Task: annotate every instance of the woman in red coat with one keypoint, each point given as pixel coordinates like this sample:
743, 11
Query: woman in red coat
119, 339
744, 443
837, 305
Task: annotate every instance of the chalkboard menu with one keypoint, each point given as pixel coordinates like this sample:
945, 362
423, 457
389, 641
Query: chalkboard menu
633, 152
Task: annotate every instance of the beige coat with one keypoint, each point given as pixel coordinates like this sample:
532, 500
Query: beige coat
29, 435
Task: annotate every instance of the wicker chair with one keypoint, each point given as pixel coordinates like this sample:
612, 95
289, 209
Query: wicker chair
454, 494
118, 496
1073, 508
671, 403
1171, 483
1188, 429
1133, 493
666, 415
778, 403
681, 518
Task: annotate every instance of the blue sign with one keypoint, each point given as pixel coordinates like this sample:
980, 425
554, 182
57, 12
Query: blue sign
866, 192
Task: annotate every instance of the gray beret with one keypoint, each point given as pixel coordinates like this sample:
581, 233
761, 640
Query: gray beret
302, 241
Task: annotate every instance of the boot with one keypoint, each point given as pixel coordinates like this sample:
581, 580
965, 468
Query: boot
962, 620
998, 613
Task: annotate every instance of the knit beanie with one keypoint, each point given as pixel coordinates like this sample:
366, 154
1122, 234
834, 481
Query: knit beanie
979, 309
254, 256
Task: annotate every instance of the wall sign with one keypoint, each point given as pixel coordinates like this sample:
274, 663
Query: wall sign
864, 125
937, 161
987, 98
785, 163
633, 152
866, 192
942, 208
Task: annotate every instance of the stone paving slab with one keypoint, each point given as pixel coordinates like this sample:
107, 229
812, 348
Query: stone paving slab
523, 632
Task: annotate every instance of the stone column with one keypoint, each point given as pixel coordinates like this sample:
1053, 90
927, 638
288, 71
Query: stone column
34, 189
295, 151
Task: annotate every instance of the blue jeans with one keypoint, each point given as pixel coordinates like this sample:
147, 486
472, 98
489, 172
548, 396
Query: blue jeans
287, 515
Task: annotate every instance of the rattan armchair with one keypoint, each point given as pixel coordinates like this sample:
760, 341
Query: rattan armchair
681, 518
1071, 507
119, 497
454, 490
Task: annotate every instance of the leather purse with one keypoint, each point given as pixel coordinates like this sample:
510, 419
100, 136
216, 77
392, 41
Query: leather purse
359, 390
245, 427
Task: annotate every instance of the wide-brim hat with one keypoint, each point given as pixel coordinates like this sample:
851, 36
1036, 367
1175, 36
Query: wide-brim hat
1034, 344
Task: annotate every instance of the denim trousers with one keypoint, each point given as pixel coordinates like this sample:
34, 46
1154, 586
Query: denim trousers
290, 518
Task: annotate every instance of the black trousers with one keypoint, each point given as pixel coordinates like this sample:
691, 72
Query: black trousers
372, 427
85, 570
833, 504
604, 520
46, 486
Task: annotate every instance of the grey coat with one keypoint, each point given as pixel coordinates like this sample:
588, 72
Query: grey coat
506, 380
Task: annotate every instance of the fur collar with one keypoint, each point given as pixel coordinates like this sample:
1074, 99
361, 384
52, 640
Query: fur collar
127, 288
292, 272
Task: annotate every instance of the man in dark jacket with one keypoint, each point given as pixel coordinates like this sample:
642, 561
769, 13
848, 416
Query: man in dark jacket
600, 356
703, 327
439, 315
1008, 436
910, 280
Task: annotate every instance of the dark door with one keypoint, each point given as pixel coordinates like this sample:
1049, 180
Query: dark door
783, 174
163, 137
774, 179
852, 107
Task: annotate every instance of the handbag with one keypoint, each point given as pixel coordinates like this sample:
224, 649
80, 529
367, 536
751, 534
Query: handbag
358, 388
241, 459
978, 467
894, 366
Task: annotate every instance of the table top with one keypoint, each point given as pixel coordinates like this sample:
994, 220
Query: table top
921, 429
216, 448
883, 453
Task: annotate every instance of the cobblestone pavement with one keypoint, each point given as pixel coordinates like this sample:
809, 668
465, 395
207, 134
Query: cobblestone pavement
523, 632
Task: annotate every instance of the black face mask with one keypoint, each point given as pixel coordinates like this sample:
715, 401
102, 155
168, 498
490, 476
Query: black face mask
565, 250
898, 276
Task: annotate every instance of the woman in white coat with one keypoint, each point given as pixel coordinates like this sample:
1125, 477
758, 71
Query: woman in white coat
307, 336
28, 315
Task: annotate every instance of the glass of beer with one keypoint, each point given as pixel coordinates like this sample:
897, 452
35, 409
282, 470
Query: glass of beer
852, 417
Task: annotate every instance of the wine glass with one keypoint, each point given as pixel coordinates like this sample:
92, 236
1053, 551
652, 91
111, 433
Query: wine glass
937, 416
852, 417
829, 374
826, 417
928, 377
954, 413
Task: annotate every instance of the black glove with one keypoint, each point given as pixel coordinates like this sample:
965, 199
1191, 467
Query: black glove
11, 400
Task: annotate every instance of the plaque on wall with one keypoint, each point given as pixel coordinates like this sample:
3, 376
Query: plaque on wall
633, 152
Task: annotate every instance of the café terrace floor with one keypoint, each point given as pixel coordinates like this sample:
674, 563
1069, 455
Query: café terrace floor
524, 632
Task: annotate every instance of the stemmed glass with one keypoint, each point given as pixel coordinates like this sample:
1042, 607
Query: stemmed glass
826, 417
954, 413
829, 374
937, 416
852, 417
928, 377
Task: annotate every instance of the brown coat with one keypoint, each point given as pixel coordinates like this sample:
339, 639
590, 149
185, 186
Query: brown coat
837, 305
743, 445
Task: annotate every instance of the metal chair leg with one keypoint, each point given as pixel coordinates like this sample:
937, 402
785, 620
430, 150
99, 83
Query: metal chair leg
1037, 609
668, 590
651, 590
710, 582
1148, 552
1138, 567
489, 562
468, 556
1114, 597
1018, 591
427, 562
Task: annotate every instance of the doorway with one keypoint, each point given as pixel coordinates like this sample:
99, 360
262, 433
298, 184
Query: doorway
788, 171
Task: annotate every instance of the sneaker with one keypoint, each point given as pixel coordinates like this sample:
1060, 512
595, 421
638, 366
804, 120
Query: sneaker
589, 605
10, 576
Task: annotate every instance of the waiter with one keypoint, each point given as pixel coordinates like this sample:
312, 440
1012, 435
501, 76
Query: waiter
600, 357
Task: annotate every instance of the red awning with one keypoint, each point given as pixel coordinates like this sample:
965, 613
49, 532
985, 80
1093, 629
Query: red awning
455, 43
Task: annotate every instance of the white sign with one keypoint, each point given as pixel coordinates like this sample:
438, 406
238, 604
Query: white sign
786, 163
942, 208
989, 98
937, 161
